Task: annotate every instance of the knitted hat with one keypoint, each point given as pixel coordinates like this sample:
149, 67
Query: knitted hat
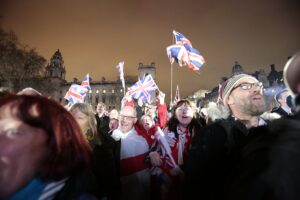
228, 86
291, 74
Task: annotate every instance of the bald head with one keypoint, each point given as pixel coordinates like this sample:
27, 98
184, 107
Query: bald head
127, 118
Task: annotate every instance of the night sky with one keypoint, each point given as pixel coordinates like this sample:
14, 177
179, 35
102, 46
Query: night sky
94, 35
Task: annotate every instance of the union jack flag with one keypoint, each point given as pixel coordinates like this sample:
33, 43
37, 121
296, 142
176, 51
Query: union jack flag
196, 59
182, 40
75, 94
179, 54
86, 82
143, 89
184, 54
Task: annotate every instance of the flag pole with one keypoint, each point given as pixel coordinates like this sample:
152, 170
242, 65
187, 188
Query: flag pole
172, 72
171, 82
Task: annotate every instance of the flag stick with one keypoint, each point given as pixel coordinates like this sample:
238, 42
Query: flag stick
171, 82
173, 40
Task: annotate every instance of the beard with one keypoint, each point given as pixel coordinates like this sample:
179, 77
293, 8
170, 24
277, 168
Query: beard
254, 108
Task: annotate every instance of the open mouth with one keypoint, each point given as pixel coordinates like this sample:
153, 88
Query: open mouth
257, 98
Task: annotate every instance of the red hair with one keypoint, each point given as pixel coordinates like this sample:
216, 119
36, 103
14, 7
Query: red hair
69, 152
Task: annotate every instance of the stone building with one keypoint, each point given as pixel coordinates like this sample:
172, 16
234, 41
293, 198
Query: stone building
109, 92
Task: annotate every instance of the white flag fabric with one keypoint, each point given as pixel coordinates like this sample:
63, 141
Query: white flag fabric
120, 68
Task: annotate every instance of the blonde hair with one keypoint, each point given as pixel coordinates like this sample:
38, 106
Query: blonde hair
88, 111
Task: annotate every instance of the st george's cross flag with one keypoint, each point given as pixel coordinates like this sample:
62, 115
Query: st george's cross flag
143, 89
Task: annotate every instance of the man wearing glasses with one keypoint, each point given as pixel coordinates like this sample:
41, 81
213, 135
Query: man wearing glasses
216, 148
270, 165
135, 174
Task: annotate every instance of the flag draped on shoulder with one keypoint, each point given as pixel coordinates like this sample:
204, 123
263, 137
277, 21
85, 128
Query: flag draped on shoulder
75, 94
120, 68
143, 89
184, 53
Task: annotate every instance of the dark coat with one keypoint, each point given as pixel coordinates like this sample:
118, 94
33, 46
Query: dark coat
212, 158
81, 186
270, 164
279, 110
106, 166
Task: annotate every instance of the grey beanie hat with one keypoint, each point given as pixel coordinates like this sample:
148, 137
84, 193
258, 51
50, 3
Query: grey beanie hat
228, 86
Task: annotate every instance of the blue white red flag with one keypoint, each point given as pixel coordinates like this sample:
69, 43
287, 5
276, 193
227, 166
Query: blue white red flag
75, 94
182, 40
179, 54
143, 89
184, 54
86, 82
120, 68
196, 59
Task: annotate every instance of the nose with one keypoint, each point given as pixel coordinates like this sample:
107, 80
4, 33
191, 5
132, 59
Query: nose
256, 89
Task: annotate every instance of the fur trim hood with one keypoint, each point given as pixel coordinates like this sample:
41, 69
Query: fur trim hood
218, 111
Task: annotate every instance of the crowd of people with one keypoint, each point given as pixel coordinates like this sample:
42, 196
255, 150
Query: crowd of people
142, 151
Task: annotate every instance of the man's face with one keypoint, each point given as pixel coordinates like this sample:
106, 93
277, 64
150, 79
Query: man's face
246, 98
127, 118
100, 108
282, 99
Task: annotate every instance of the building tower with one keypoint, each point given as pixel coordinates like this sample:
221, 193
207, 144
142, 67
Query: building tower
55, 74
56, 67
144, 70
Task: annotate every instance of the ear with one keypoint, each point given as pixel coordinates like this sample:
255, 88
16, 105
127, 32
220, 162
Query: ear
230, 100
135, 120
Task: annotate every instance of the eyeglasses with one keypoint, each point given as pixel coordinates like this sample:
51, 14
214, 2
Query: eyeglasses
248, 86
121, 117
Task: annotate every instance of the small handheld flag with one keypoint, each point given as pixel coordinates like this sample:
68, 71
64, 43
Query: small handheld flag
143, 89
75, 94
86, 82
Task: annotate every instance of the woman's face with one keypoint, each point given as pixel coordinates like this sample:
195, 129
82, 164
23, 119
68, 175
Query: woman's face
184, 114
82, 119
147, 122
23, 149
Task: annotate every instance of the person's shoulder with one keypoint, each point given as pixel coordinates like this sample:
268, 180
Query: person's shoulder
212, 132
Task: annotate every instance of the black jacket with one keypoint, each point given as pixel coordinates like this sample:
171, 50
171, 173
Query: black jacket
270, 164
212, 159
